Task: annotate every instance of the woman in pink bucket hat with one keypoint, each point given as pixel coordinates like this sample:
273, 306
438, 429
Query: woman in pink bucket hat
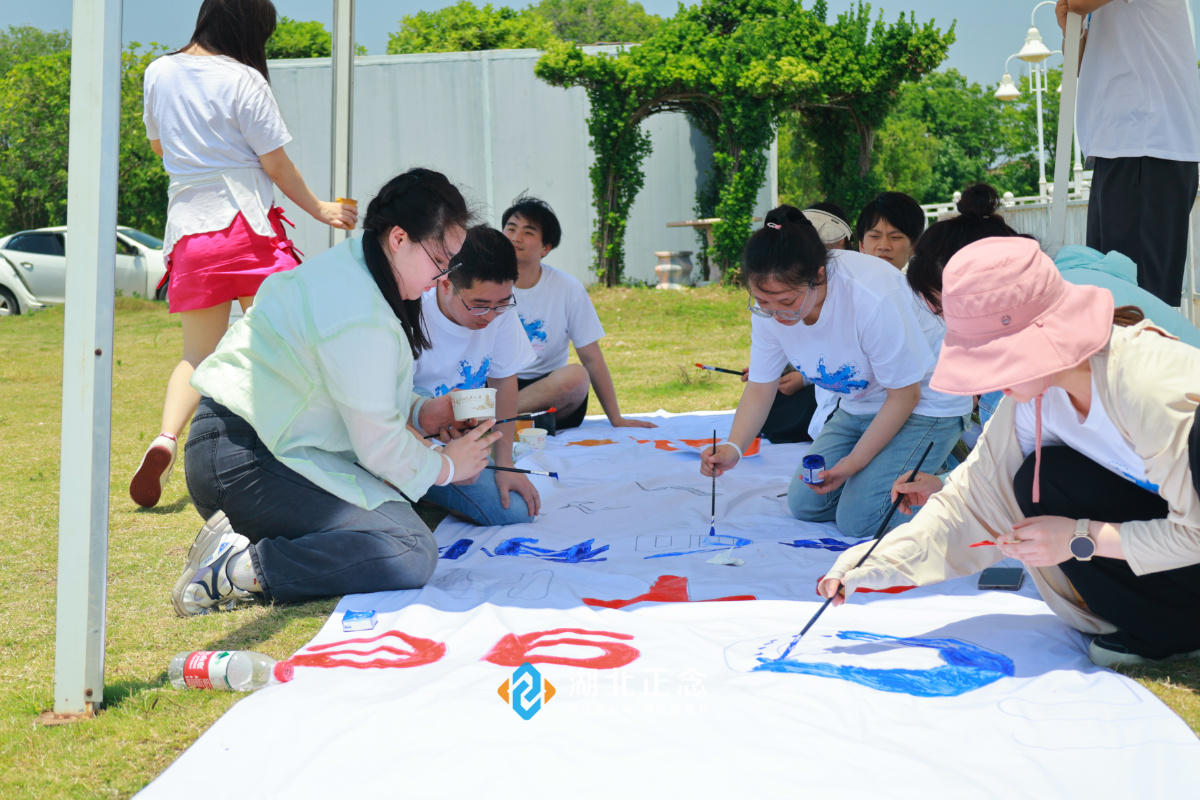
1090, 484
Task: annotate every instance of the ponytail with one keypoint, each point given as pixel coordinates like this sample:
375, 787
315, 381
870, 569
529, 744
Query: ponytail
786, 249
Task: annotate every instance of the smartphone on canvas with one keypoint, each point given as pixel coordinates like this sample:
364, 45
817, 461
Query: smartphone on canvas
1004, 578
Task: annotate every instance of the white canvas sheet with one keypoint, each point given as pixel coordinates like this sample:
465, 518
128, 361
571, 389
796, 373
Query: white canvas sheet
940, 691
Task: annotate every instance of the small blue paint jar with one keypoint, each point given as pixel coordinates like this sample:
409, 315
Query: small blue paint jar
811, 468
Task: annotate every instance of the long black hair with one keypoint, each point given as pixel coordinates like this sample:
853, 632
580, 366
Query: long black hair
425, 205
236, 28
978, 218
786, 249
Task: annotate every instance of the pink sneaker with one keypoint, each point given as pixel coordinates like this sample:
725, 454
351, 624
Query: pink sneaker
154, 472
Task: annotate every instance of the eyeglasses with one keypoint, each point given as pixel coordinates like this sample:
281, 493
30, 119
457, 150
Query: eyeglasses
782, 315
444, 272
479, 311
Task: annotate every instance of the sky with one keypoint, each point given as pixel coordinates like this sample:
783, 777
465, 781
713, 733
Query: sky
987, 31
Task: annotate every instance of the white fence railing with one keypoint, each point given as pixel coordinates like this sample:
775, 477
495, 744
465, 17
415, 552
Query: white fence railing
1031, 215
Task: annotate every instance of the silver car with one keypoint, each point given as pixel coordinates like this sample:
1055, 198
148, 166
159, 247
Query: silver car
33, 268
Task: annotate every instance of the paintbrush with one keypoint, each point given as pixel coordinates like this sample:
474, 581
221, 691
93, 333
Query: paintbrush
737, 372
528, 416
712, 527
523, 471
878, 538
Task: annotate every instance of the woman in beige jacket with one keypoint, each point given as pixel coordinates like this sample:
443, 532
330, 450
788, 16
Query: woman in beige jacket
1106, 516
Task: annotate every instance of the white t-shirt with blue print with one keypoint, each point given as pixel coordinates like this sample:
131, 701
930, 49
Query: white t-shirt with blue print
461, 358
1095, 437
556, 312
871, 336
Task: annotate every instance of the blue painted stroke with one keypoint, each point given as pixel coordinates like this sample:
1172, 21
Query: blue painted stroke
471, 378
1147, 485
534, 329
840, 380
967, 667
824, 543
581, 553
456, 550
709, 544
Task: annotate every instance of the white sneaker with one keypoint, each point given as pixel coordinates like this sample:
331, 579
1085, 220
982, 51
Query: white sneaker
205, 585
1109, 650
154, 472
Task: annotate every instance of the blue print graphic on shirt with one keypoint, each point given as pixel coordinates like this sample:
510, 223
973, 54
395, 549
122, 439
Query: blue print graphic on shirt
581, 553
841, 380
966, 667
1147, 485
535, 330
471, 379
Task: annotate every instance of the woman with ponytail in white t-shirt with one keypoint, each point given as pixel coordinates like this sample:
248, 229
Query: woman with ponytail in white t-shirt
210, 114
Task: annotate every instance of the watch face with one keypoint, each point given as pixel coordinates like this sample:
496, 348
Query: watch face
1082, 547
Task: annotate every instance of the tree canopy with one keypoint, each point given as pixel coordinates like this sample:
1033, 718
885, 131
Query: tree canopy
466, 27
34, 116
733, 66
299, 39
591, 21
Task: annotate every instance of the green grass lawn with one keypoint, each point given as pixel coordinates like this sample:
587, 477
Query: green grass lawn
653, 340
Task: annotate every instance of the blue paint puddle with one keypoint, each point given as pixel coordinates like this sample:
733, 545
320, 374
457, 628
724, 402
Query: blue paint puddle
709, 544
456, 550
824, 543
841, 380
967, 667
581, 553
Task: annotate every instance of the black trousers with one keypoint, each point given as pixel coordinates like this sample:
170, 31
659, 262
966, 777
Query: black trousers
790, 415
553, 423
1158, 614
1140, 208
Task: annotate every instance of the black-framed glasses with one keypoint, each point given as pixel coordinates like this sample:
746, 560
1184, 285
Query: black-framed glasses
479, 311
444, 272
782, 314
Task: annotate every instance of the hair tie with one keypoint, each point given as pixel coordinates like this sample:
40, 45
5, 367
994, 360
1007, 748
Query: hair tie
774, 225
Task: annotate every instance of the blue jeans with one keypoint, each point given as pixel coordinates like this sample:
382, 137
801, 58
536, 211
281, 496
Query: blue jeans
988, 404
865, 498
479, 502
306, 542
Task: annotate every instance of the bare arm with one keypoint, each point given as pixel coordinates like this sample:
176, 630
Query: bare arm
506, 406
748, 420
156, 146
283, 172
597, 369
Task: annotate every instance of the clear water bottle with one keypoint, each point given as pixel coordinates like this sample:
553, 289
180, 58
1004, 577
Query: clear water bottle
227, 670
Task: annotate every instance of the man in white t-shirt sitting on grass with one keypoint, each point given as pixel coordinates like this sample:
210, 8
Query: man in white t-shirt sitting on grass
477, 341
556, 312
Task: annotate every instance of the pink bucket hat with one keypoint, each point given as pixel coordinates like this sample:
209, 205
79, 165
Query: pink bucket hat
1011, 318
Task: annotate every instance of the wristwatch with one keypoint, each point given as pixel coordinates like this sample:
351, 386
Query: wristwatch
1083, 547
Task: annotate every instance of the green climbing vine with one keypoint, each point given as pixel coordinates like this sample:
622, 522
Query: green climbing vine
733, 66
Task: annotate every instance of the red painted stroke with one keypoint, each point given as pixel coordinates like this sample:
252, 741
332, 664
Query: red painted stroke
515, 649
666, 589
889, 590
421, 652
984, 543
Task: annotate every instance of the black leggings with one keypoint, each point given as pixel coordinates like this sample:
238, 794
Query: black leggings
1157, 614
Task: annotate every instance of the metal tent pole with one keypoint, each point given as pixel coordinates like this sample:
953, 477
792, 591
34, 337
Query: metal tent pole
1066, 130
95, 116
343, 106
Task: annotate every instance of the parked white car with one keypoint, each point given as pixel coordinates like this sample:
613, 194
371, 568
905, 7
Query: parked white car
33, 267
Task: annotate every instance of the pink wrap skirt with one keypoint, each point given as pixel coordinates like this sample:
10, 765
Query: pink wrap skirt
207, 269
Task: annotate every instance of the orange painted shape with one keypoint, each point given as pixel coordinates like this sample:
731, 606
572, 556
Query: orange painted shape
548, 690
591, 442
503, 692
515, 649
667, 589
752, 450
420, 652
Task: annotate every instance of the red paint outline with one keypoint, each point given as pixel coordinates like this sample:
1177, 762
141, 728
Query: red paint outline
513, 650
666, 589
424, 651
